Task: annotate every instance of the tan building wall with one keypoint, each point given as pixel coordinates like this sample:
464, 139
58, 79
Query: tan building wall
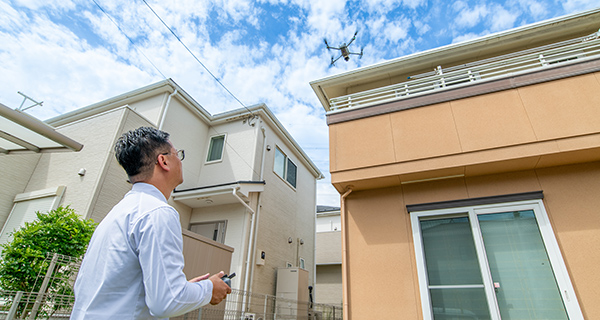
380, 238
546, 124
515, 132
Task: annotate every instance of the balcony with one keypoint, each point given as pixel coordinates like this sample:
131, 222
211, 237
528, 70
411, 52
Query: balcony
440, 79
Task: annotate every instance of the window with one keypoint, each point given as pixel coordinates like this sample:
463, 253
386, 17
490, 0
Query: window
215, 149
285, 168
213, 230
26, 205
302, 263
490, 262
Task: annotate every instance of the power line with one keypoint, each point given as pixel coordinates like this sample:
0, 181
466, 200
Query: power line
132, 43
198, 60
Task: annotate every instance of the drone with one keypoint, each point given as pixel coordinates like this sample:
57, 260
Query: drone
344, 51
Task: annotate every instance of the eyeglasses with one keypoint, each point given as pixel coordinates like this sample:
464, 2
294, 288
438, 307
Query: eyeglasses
180, 154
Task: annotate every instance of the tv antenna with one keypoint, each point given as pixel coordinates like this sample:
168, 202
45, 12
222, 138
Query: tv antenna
25, 98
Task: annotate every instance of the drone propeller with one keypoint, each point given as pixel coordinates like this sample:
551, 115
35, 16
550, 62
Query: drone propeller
327, 44
361, 52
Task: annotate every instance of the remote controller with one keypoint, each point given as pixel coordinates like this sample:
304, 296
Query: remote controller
227, 279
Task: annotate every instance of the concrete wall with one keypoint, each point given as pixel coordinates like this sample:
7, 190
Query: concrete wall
380, 238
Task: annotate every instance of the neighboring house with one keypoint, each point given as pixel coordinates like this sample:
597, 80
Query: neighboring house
470, 177
248, 185
328, 284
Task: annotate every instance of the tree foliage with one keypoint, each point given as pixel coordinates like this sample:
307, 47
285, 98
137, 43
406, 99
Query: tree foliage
59, 231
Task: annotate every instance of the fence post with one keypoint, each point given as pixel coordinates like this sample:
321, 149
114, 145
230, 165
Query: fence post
41, 293
15, 305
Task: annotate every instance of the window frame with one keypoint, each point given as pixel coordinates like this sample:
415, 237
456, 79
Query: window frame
210, 144
558, 266
286, 160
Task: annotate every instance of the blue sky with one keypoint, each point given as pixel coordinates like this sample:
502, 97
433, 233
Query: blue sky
70, 54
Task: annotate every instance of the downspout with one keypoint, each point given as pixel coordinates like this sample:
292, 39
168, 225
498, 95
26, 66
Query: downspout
234, 193
165, 108
253, 234
344, 252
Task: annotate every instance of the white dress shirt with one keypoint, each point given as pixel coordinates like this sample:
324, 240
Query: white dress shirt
133, 267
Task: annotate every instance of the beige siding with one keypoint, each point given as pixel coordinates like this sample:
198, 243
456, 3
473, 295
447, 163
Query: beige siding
286, 212
328, 287
113, 185
96, 134
15, 172
329, 247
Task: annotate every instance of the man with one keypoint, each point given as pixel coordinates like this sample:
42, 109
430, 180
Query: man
134, 262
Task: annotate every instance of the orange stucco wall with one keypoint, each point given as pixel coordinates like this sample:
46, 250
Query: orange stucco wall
546, 124
382, 279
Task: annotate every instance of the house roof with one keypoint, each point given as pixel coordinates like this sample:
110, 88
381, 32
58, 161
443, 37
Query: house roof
388, 72
21, 132
322, 209
169, 86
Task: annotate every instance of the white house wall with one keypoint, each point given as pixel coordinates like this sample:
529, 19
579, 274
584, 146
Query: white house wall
237, 163
236, 233
150, 108
190, 133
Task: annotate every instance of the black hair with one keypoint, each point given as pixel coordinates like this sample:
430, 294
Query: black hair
136, 150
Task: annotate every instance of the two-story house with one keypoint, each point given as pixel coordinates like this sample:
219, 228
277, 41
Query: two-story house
470, 177
249, 190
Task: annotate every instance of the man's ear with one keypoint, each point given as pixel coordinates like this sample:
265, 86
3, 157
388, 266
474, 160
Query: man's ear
163, 162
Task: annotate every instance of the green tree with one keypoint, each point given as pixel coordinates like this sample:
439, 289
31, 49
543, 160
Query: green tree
23, 260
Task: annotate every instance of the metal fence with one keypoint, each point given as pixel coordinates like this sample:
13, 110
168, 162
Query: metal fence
54, 300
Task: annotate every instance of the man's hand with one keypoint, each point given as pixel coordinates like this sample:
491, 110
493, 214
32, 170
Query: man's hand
200, 278
220, 288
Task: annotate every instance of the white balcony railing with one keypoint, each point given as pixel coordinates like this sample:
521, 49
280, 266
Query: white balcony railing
482, 70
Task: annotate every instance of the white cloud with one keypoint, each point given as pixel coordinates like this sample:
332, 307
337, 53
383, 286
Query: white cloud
421, 27
502, 19
572, 6
468, 17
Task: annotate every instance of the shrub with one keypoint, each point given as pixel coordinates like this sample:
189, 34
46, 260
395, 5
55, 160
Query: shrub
23, 259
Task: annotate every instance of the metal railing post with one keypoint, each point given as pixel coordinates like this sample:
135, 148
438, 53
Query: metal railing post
41, 294
15, 305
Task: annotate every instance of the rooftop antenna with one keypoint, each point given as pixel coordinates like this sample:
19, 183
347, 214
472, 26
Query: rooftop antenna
25, 98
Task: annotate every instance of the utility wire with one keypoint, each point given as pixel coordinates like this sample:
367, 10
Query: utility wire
198, 60
132, 43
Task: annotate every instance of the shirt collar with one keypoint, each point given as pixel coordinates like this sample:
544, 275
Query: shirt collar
149, 189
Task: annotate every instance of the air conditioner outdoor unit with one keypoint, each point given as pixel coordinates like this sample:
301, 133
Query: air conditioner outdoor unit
250, 316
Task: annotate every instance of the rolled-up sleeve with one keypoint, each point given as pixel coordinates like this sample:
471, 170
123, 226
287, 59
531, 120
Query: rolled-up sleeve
159, 244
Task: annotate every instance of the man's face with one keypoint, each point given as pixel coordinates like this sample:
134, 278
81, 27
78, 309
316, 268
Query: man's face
177, 168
